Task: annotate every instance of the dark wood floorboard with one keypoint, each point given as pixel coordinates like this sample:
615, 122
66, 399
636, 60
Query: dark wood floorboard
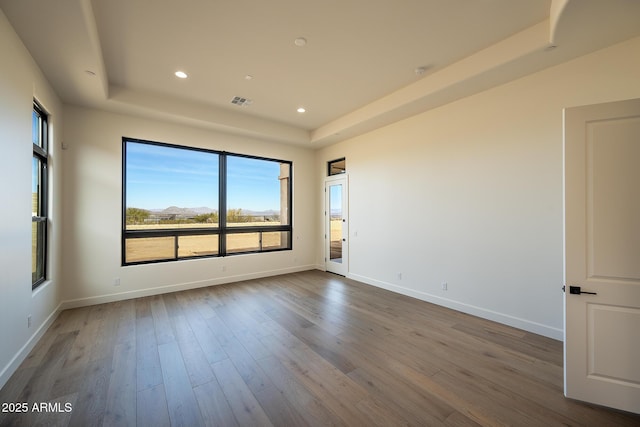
304, 349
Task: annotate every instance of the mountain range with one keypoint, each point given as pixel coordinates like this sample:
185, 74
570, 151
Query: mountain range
175, 210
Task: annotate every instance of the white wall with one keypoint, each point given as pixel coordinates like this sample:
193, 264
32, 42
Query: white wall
20, 82
471, 193
92, 206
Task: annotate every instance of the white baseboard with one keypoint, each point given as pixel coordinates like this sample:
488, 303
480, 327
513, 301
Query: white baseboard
516, 322
120, 296
22, 354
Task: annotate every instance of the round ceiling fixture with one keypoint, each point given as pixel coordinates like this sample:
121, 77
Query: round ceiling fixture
300, 41
301, 110
181, 74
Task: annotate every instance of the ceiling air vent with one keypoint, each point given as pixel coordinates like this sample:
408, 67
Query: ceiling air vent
240, 101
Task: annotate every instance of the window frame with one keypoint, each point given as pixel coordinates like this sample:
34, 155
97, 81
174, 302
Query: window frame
330, 167
223, 230
41, 153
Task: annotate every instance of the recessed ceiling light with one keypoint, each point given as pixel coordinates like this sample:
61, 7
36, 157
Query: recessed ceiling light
248, 77
181, 74
300, 41
301, 110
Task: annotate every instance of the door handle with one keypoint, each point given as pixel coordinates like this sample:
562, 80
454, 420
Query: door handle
577, 290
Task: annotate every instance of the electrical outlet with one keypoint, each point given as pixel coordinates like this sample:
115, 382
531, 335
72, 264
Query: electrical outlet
399, 276
28, 321
444, 286
116, 281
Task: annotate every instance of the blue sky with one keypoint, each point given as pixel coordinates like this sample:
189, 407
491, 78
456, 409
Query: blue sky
35, 173
160, 176
336, 197
253, 184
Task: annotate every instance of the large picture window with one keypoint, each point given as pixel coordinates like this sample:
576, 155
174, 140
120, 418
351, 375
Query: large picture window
39, 209
181, 202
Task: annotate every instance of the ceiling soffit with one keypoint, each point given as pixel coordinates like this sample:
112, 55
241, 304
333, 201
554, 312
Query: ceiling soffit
86, 67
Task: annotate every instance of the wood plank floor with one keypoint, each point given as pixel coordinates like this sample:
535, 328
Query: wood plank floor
302, 349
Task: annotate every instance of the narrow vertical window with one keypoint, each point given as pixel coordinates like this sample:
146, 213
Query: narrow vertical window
39, 208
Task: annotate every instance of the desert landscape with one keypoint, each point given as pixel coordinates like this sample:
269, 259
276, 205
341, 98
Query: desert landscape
157, 248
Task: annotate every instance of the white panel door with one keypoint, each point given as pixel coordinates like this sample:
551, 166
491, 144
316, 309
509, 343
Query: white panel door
336, 225
602, 254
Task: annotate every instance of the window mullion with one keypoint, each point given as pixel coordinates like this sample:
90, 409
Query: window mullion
222, 204
39, 152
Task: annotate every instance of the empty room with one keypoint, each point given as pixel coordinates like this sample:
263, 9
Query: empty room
296, 213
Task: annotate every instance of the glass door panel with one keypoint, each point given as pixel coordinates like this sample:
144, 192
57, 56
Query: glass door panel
336, 225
